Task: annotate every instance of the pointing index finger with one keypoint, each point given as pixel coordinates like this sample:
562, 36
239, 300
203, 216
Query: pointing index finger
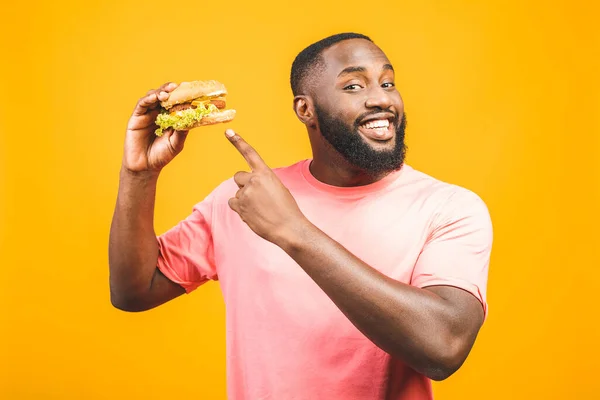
250, 155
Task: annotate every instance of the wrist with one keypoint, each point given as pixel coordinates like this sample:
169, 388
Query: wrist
292, 238
142, 176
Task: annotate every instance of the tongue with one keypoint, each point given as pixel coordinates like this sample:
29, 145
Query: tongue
377, 133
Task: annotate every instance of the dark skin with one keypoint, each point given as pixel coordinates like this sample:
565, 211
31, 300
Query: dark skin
136, 284
358, 79
431, 329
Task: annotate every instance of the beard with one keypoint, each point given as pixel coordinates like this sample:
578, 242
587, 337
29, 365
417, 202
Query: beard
348, 142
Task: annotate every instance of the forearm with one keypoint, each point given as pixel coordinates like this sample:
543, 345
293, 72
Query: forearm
410, 323
133, 249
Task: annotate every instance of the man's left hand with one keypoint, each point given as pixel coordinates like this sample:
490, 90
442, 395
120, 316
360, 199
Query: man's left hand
262, 201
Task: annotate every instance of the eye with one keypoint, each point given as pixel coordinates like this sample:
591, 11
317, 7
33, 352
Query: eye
351, 87
388, 85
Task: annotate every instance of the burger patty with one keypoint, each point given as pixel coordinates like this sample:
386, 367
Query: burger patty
220, 104
181, 107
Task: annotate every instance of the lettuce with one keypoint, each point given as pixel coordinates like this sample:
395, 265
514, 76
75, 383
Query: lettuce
182, 119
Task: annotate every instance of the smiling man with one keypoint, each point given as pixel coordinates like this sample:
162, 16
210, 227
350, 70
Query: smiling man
349, 275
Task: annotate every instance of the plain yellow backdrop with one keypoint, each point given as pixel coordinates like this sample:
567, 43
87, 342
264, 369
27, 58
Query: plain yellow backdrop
501, 97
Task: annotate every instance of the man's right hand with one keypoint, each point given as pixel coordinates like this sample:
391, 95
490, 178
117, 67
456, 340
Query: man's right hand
144, 151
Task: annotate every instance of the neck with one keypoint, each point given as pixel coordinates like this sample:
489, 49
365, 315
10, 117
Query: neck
329, 167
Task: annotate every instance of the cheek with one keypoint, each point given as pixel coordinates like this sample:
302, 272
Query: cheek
399, 103
344, 108
351, 108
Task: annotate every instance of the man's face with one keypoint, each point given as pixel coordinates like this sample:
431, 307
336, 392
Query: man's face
359, 111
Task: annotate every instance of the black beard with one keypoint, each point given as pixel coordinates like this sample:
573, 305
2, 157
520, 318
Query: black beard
351, 145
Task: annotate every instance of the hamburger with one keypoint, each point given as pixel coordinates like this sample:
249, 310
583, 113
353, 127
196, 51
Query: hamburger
194, 104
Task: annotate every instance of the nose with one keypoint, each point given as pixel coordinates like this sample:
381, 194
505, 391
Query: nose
378, 98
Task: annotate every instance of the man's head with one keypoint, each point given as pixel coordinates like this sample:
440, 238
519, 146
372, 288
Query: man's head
344, 90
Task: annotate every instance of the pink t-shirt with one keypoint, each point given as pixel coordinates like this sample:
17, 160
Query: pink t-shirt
285, 338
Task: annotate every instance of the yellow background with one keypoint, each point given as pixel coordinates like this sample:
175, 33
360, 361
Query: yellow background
502, 97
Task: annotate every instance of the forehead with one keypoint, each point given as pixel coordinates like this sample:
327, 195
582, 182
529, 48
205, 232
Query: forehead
353, 52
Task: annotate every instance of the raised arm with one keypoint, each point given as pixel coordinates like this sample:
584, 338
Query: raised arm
136, 284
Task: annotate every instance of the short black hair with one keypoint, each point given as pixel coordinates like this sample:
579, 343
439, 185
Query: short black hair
307, 61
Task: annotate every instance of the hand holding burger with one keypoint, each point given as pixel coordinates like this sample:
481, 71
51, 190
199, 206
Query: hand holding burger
160, 122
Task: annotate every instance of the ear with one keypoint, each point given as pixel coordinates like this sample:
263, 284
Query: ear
304, 109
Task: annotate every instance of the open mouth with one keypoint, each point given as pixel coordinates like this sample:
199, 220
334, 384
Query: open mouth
380, 129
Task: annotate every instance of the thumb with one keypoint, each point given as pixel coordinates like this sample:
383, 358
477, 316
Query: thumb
234, 204
177, 140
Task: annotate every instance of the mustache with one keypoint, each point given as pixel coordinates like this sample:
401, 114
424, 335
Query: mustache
369, 113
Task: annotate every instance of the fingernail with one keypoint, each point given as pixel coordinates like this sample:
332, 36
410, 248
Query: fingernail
230, 133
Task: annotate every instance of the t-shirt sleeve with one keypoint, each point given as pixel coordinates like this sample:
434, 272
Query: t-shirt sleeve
186, 251
457, 252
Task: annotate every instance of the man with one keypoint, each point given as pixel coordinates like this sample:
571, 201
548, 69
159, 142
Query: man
347, 276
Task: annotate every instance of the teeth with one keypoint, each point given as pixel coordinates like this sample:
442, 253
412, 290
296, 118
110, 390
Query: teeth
381, 123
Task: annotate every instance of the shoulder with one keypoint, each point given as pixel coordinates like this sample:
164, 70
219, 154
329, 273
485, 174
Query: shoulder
443, 192
290, 174
449, 201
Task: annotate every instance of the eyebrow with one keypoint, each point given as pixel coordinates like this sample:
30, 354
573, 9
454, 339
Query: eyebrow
349, 70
